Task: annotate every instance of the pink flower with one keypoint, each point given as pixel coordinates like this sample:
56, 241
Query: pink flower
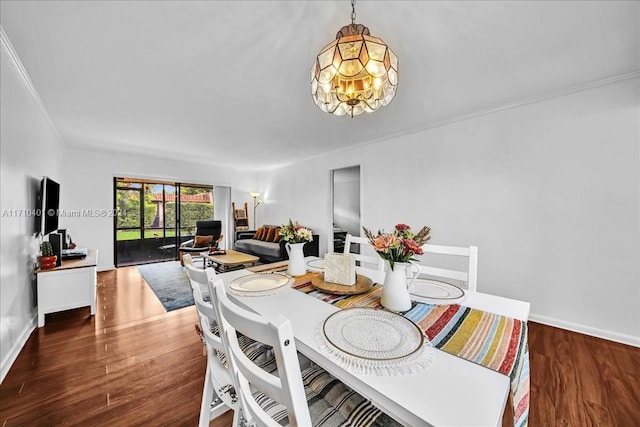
410, 246
402, 227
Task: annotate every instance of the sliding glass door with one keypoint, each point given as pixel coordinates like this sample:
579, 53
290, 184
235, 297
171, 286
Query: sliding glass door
155, 217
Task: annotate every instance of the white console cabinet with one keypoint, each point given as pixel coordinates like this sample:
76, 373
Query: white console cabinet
71, 285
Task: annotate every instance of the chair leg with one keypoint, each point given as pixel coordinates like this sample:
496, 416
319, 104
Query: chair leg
218, 410
237, 419
211, 406
207, 397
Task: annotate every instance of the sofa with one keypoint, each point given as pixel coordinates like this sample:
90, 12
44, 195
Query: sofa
265, 243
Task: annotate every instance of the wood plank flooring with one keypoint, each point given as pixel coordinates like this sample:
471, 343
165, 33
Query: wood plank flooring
134, 364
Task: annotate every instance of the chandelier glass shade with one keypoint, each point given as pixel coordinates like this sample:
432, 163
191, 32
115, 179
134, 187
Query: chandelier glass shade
354, 73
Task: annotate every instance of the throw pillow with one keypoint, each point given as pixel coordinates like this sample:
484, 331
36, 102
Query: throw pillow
270, 233
276, 237
202, 241
264, 234
259, 232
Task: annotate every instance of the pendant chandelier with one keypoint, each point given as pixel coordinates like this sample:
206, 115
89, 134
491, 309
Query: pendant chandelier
354, 73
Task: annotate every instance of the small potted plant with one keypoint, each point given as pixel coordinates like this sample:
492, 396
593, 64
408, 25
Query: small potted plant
47, 259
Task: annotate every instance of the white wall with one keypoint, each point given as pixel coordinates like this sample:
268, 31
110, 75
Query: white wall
88, 184
29, 149
549, 191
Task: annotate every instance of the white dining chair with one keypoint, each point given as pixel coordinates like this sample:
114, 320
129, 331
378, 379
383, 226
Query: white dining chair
469, 277
306, 397
218, 395
508, 307
370, 266
198, 276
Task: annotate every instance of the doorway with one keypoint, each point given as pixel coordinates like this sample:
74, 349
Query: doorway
345, 190
155, 217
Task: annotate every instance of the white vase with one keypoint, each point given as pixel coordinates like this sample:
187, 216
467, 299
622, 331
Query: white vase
395, 292
296, 266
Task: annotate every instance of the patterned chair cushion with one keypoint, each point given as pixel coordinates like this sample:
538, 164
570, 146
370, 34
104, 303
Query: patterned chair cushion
331, 403
261, 354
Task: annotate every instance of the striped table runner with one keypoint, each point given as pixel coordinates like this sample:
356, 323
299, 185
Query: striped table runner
496, 342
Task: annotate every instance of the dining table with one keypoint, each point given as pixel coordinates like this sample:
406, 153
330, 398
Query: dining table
451, 390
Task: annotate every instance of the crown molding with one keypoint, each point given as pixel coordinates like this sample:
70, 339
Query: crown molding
538, 98
15, 61
515, 104
480, 113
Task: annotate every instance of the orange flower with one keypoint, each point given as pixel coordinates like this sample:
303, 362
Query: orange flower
384, 242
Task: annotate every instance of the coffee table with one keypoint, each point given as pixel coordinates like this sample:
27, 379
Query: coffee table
231, 259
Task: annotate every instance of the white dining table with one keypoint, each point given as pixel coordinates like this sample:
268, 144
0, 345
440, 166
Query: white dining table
450, 392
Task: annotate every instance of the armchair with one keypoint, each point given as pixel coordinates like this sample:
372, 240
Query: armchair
208, 233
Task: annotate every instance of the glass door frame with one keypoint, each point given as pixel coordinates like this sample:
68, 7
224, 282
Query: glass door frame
180, 233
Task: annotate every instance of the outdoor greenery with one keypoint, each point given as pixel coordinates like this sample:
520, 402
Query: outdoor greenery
128, 200
128, 205
151, 234
189, 213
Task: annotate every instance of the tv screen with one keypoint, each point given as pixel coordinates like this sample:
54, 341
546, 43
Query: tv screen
50, 199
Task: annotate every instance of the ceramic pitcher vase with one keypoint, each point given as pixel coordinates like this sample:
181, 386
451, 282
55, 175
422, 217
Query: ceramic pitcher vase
296, 266
395, 291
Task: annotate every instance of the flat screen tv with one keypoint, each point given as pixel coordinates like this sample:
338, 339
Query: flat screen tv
48, 206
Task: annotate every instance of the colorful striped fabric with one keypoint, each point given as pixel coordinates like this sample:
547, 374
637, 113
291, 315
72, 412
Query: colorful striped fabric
496, 342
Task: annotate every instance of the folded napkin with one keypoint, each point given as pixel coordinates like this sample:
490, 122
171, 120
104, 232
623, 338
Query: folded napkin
340, 269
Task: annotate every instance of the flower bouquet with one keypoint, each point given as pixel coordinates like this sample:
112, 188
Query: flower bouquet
295, 233
400, 245
295, 237
397, 248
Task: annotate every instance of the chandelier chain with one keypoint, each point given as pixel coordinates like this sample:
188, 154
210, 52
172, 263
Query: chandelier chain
353, 11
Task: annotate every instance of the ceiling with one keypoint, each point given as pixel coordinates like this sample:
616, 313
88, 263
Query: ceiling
228, 82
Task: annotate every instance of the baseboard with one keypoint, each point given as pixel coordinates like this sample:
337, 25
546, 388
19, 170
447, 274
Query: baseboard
17, 347
587, 330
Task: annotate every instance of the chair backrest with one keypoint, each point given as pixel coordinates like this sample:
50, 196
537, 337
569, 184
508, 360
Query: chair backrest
491, 303
370, 266
470, 277
220, 374
209, 228
200, 276
286, 388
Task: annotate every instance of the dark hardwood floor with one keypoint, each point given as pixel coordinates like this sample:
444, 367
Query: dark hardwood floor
134, 364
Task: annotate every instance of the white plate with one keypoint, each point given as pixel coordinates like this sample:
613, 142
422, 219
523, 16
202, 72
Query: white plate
435, 291
372, 334
259, 282
316, 264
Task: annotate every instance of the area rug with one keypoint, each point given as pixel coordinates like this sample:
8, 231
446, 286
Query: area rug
169, 282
